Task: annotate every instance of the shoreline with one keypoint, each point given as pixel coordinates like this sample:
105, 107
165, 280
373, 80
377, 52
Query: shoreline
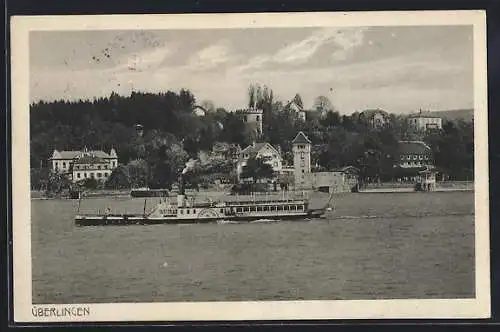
411, 190
387, 190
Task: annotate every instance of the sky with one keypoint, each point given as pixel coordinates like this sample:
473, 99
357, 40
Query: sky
399, 69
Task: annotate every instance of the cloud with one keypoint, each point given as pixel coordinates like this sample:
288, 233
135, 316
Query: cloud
342, 41
210, 57
144, 60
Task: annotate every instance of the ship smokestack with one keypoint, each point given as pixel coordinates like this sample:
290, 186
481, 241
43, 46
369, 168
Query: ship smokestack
181, 195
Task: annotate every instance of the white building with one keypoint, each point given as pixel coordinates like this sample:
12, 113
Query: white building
78, 165
260, 150
425, 121
299, 110
376, 118
301, 148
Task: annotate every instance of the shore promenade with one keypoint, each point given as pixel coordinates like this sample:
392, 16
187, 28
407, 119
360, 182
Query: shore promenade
405, 188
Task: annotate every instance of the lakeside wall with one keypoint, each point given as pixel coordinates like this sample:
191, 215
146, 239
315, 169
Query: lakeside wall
372, 187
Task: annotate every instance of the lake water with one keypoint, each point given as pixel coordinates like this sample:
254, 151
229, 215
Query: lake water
373, 246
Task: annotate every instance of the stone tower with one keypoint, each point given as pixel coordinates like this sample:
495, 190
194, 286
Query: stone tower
253, 118
301, 147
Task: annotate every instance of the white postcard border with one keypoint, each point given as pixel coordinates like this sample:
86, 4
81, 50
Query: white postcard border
24, 311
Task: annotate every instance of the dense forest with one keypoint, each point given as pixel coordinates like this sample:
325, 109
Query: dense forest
174, 134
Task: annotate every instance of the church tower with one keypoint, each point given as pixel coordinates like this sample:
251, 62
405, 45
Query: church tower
301, 147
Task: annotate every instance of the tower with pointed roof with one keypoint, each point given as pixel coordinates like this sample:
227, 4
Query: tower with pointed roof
301, 148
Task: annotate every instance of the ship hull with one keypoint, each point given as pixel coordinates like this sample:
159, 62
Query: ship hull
123, 220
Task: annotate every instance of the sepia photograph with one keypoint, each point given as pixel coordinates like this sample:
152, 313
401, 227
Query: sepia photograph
241, 166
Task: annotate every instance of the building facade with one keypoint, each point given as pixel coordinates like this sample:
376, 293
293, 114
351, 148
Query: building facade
425, 121
297, 109
271, 154
415, 154
301, 148
91, 167
253, 118
376, 119
79, 165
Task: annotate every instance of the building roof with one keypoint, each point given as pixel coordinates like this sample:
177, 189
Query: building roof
414, 147
90, 160
254, 149
347, 169
301, 138
292, 105
371, 113
71, 154
421, 114
251, 110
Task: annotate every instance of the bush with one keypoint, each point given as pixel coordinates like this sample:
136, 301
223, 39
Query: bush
119, 178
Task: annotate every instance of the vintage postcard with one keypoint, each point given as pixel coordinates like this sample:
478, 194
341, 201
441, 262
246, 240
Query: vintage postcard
283, 166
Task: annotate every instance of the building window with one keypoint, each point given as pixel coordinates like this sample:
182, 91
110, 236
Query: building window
99, 174
414, 157
257, 118
106, 174
92, 175
420, 157
78, 175
303, 171
64, 164
114, 163
85, 175
98, 166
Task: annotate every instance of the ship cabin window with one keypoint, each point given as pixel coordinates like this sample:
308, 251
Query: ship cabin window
286, 207
259, 208
238, 210
221, 210
266, 208
181, 211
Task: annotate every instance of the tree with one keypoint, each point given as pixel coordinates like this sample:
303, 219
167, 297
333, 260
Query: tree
332, 119
322, 104
138, 171
56, 183
39, 178
257, 169
251, 96
119, 178
208, 105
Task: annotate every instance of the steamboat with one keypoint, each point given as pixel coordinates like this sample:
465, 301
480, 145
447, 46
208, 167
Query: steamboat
185, 210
